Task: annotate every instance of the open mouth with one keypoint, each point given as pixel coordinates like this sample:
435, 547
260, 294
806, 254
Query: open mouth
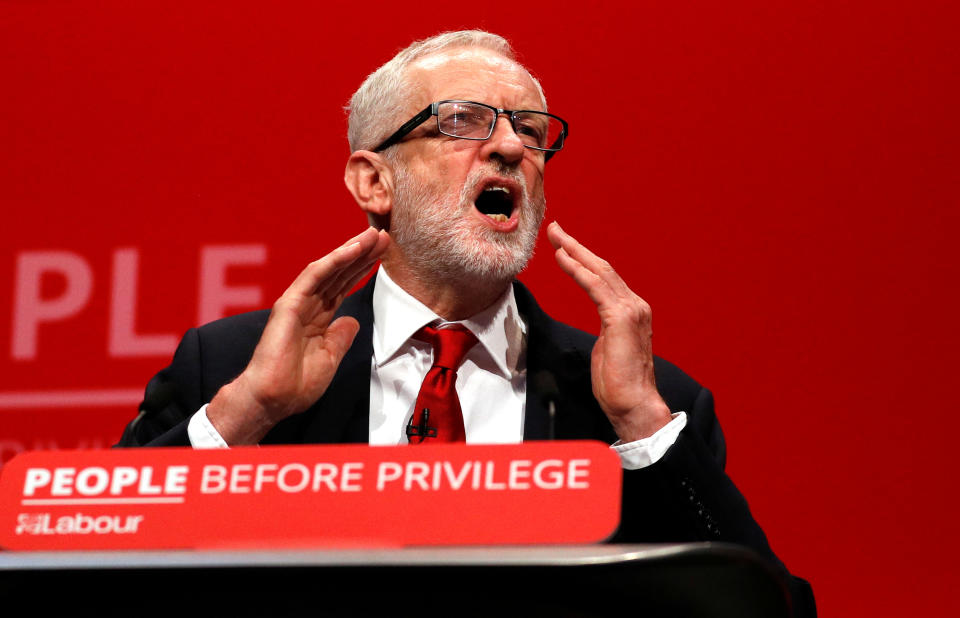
497, 202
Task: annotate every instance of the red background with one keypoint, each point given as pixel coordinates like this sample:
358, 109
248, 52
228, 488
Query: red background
778, 180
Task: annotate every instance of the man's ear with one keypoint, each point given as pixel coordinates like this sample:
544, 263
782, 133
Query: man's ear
369, 178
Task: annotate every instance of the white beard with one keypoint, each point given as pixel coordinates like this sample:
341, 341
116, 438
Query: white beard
441, 240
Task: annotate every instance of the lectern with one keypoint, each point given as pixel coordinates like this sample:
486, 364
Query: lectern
683, 580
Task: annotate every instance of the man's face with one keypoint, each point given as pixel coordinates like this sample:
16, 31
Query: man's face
465, 208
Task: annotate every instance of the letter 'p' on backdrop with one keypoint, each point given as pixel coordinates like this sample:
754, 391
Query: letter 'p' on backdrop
777, 180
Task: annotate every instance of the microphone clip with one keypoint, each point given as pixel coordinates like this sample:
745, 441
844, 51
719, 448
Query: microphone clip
421, 430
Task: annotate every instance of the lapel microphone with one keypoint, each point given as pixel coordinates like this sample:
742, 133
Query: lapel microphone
423, 430
545, 383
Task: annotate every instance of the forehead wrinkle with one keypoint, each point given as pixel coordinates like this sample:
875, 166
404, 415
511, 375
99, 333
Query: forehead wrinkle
472, 74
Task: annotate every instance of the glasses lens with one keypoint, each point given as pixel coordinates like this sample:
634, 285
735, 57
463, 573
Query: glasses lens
465, 119
475, 121
539, 130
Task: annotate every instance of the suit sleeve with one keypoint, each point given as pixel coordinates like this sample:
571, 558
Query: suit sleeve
686, 496
170, 399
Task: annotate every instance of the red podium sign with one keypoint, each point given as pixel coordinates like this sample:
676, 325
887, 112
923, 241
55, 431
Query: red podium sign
310, 496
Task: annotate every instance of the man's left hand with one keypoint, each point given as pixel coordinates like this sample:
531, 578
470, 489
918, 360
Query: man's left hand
622, 362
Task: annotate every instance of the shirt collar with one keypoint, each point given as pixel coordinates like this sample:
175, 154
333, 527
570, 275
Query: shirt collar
397, 316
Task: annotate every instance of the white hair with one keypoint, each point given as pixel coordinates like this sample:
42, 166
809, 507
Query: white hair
376, 106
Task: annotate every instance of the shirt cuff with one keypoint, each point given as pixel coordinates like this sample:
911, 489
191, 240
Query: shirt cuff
202, 433
648, 451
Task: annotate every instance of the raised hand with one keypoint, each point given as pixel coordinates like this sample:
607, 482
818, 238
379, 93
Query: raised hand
300, 348
622, 362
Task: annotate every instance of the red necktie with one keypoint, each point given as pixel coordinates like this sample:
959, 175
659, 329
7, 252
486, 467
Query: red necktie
436, 415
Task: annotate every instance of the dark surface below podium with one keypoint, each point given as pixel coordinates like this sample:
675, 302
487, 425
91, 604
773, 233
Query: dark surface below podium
684, 580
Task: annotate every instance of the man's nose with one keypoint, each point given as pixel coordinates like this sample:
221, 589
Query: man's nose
504, 143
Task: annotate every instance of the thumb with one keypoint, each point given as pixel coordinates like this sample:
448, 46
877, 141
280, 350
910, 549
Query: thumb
339, 337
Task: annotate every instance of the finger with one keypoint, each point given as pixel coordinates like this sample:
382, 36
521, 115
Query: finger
331, 291
335, 289
578, 252
372, 248
344, 280
587, 258
595, 288
339, 337
317, 273
367, 236
347, 283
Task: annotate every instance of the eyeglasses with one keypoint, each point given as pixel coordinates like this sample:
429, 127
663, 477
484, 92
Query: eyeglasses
471, 120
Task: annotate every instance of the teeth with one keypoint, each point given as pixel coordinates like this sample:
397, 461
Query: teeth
504, 189
500, 218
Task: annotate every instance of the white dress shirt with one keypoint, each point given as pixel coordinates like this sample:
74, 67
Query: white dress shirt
491, 382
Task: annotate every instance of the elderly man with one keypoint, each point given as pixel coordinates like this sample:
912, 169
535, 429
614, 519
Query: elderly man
449, 144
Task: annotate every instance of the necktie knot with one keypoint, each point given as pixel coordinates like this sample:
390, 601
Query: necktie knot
450, 345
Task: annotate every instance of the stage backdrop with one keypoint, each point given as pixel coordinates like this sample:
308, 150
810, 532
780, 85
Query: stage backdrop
778, 180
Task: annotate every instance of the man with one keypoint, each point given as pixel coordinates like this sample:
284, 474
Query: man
451, 181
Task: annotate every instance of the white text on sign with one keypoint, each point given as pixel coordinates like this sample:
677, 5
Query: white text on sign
296, 477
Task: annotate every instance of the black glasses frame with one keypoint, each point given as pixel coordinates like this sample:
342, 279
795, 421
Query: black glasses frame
433, 110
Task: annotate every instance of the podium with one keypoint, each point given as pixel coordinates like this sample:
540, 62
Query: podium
688, 580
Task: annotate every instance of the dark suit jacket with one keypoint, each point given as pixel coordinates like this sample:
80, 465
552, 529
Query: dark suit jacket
686, 496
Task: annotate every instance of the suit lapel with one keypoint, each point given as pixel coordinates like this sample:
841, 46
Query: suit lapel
550, 350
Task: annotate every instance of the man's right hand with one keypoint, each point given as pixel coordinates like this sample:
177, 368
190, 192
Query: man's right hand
300, 348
